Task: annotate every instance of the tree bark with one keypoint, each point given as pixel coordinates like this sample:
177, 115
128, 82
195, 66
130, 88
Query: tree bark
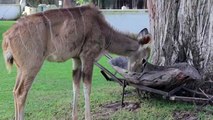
183, 32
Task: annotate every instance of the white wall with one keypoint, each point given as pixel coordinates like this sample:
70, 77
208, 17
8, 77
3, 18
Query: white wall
130, 21
9, 1
9, 11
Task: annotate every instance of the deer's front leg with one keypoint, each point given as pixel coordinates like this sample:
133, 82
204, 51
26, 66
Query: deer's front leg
87, 80
76, 86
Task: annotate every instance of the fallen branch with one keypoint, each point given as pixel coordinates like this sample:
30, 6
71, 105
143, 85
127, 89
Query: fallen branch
156, 76
195, 92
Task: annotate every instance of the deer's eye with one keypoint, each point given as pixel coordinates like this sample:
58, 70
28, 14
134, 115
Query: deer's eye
143, 61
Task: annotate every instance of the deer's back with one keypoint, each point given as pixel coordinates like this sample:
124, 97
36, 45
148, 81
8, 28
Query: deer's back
55, 34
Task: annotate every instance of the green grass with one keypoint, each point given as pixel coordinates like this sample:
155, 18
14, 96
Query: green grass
51, 95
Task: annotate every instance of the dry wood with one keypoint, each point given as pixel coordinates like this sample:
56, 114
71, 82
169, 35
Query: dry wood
189, 99
156, 76
196, 92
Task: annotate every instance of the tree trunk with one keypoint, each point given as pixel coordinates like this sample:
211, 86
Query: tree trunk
183, 32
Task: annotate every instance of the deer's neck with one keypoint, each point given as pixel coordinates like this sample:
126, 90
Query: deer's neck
120, 44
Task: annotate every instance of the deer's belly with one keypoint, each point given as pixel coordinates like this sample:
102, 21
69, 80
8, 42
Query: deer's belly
54, 58
60, 56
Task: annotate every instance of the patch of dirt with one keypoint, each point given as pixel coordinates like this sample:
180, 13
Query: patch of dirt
108, 109
185, 115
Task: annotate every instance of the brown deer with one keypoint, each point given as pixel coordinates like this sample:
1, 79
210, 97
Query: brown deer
80, 33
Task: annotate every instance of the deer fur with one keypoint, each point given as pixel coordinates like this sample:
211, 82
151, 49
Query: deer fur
80, 33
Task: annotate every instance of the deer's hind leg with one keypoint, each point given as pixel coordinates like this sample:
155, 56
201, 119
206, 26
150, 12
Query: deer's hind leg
24, 80
77, 67
18, 77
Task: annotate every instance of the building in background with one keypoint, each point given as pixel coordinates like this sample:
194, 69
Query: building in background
9, 1
10, 9
117, 4
102, 4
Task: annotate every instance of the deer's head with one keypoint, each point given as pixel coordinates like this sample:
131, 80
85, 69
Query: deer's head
143, 52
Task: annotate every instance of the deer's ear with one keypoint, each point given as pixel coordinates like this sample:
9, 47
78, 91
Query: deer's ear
142, 33
145, 40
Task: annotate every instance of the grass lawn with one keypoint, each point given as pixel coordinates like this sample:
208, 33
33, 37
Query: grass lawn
51, 95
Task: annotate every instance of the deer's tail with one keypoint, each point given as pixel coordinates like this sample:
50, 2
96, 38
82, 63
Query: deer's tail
8, 57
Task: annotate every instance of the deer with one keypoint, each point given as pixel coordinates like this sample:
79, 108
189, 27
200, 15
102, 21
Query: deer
81, 34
